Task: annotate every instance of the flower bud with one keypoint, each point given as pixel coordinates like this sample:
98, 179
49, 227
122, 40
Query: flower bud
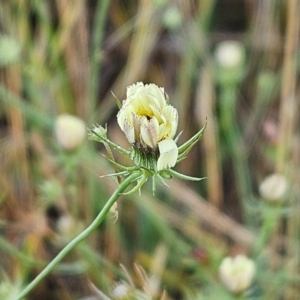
10, 50
149, 124
121, 291
172, 18
8, 289
70, 131
229, 54
237, 273
273, 188
100, 131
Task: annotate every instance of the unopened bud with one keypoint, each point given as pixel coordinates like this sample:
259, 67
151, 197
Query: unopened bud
70, 131
237, 273
10, 50
229, 54
273, 187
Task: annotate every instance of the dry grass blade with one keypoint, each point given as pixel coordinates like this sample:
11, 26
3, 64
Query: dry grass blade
205, 109
145, 35
288, 114
209, 215
66, 56
11, 78
73, 41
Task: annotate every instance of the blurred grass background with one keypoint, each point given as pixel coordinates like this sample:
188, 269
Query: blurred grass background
67, 56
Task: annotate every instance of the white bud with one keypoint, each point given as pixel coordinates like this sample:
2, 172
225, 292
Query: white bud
229, 54
65, 225
147, 121
237, 273
70, 131
10, 50
100, 130
68, 228
9, 290
273, 188
121, 290
172, 18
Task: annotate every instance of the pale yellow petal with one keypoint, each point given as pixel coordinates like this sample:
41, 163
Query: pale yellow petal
149, 132
164, 131
157, 113
157, 95
132, 89
168, 154
129, 132
171, 115
121, 119
125, 114
125, 121
137, 122
144, 100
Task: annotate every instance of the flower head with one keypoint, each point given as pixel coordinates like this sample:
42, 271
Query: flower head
229, 54
149, 123
230, 63
10, 50
237, 273
70, 131
273, 188
9, 290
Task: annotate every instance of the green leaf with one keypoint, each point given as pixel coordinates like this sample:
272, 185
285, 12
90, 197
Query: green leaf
184, 149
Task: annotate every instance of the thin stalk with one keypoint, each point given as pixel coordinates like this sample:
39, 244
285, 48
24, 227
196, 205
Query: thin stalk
96, 60
81, 236
31, 113
266, 232
30, 261
234, 144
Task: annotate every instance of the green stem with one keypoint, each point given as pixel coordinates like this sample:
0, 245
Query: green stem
81, 236
102, 139
98, 31
266, 232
